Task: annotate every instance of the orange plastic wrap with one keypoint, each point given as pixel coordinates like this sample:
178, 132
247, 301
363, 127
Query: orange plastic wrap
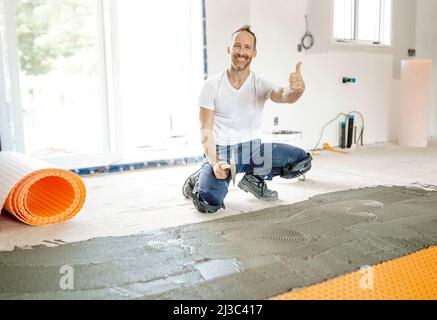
413, 277
36, 193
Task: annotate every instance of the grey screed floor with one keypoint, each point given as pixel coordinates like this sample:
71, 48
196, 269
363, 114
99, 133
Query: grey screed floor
283, 245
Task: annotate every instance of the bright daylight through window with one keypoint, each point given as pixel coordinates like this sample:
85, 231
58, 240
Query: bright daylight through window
100, 78
363, 21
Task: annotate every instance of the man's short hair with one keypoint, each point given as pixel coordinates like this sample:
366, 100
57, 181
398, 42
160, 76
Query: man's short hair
246, 28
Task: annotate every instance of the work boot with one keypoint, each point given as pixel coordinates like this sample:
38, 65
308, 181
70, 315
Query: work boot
204, 207
187, 189
257, 187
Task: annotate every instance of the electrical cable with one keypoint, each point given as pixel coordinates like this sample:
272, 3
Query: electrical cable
338, 116
324, 128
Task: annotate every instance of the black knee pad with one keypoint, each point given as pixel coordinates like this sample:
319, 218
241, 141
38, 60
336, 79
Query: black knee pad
298, 169
204, 207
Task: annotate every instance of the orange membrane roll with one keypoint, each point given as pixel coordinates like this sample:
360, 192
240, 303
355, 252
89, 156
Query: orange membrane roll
36, 193
413, 277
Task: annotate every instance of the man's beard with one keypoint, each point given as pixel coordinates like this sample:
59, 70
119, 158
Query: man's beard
237, 66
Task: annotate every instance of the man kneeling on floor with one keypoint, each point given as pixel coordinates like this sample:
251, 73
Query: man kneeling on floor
231, 106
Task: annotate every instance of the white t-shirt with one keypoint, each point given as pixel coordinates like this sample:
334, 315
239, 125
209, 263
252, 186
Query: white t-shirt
237, 113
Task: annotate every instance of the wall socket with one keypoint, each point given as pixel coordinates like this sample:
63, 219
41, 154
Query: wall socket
411, 52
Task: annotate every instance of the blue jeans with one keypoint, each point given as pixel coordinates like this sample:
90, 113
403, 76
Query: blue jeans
265, 161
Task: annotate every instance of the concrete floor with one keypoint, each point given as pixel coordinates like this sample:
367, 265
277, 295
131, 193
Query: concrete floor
141, 201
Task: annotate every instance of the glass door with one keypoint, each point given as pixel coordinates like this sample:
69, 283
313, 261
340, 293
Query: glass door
58, 76
94, 82
159, 76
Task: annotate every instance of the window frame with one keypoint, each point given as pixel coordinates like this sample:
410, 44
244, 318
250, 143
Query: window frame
5, 132
12, 141
361, 44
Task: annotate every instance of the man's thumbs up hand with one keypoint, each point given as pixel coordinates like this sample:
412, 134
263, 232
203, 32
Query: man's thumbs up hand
296, 80
298, 67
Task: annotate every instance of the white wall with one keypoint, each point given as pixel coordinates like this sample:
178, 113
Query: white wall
404, 38
404, 32
223, 18
279, 25
426, 45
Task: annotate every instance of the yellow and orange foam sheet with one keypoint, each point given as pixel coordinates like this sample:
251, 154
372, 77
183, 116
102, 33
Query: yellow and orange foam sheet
413, 277
37, 193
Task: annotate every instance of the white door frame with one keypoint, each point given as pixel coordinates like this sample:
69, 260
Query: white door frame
112, 59
16, 138
5, 131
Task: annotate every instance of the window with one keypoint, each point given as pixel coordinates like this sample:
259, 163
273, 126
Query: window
61, 77
157, 72
362, 21
89, 82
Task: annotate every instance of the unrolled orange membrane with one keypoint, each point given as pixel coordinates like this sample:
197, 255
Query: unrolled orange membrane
36, 193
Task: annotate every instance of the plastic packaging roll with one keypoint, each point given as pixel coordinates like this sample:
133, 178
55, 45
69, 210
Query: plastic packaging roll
36, 193
415, 83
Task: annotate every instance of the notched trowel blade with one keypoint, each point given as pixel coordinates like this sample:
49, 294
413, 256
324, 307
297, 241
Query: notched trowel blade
233, 167
234, 173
